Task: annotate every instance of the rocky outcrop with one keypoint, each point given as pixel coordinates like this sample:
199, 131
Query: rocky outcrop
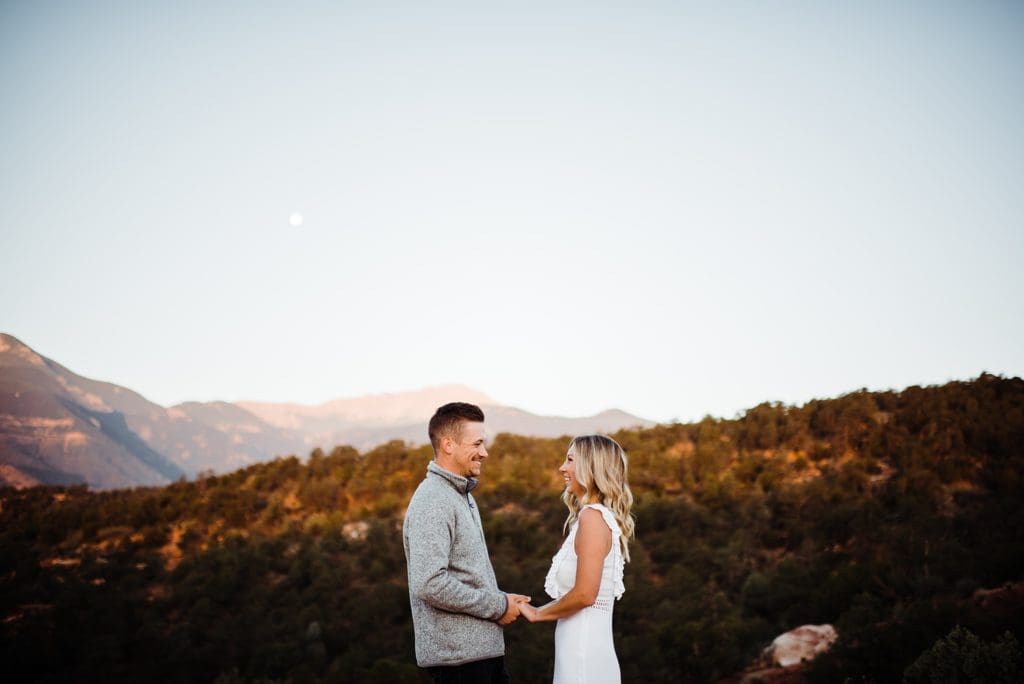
800, 644
783, 662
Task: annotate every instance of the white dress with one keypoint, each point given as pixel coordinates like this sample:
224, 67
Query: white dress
584, 652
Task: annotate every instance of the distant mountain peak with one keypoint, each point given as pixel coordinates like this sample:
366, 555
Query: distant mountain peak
58, 427
436, 394
370, 410
111, 436
8, 339
13, 350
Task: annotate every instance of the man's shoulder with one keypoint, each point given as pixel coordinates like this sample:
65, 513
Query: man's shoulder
430, 486
430, 494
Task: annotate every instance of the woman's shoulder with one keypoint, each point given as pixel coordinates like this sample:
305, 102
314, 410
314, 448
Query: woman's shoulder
590, 515
596, 511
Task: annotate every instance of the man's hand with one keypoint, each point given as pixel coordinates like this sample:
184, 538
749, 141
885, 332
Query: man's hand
512, 612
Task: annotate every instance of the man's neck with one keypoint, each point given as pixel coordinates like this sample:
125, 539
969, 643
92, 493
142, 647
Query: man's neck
449, 466
463, 483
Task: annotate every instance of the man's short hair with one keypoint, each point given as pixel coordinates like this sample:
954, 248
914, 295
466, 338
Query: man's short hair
448, 420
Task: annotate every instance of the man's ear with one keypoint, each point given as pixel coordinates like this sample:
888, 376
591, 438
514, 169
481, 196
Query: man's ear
447, 444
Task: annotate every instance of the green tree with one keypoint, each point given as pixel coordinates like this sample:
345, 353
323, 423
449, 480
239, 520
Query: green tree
963, 658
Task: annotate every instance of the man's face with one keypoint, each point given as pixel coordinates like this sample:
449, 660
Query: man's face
468, 450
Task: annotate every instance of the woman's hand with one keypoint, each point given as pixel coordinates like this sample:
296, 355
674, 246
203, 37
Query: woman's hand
529, 612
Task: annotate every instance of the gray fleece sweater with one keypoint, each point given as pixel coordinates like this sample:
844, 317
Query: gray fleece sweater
452, 589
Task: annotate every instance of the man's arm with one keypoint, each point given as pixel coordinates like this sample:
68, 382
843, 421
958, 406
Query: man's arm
429, 530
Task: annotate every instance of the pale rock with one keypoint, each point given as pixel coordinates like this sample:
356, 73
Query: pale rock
802, 643
355, 531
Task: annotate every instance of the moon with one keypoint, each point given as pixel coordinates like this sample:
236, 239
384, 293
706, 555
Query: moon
295, 219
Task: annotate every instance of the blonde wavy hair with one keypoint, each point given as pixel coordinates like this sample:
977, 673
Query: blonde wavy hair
601, 469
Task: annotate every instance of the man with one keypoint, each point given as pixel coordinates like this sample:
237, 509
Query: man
457, 609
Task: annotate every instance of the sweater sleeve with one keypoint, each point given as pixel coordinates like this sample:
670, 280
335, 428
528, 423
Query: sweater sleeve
429, 535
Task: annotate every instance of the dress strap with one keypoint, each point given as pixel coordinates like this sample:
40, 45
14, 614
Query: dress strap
619, 562
609, 517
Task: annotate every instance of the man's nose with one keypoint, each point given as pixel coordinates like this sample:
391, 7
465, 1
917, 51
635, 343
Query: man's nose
483, 452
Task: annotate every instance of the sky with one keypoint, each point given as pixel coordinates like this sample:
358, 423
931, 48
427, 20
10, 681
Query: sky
672, 208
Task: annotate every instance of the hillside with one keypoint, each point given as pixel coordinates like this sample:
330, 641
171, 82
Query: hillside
894, 516
57, 427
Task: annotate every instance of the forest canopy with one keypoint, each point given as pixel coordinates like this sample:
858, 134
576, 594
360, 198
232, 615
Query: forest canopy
895, 516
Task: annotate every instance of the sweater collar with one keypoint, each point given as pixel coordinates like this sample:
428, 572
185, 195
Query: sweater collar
464, 485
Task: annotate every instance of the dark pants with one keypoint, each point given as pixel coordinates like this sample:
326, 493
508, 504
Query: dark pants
491, 671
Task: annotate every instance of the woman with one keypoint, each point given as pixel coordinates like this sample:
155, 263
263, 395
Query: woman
586, 573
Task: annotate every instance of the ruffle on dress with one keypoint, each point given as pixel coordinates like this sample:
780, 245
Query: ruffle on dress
550, 583
618, 561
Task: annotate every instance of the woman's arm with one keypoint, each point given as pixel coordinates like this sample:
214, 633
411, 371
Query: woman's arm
593, 542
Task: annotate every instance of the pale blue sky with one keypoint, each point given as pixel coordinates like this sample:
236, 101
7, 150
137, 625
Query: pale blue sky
671, 208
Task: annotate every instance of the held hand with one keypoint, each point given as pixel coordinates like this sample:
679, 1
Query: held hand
515, 603
529, 612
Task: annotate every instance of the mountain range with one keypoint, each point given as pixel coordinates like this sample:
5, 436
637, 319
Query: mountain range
57, 427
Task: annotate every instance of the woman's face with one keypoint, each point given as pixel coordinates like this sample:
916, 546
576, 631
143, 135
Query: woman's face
568, 471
